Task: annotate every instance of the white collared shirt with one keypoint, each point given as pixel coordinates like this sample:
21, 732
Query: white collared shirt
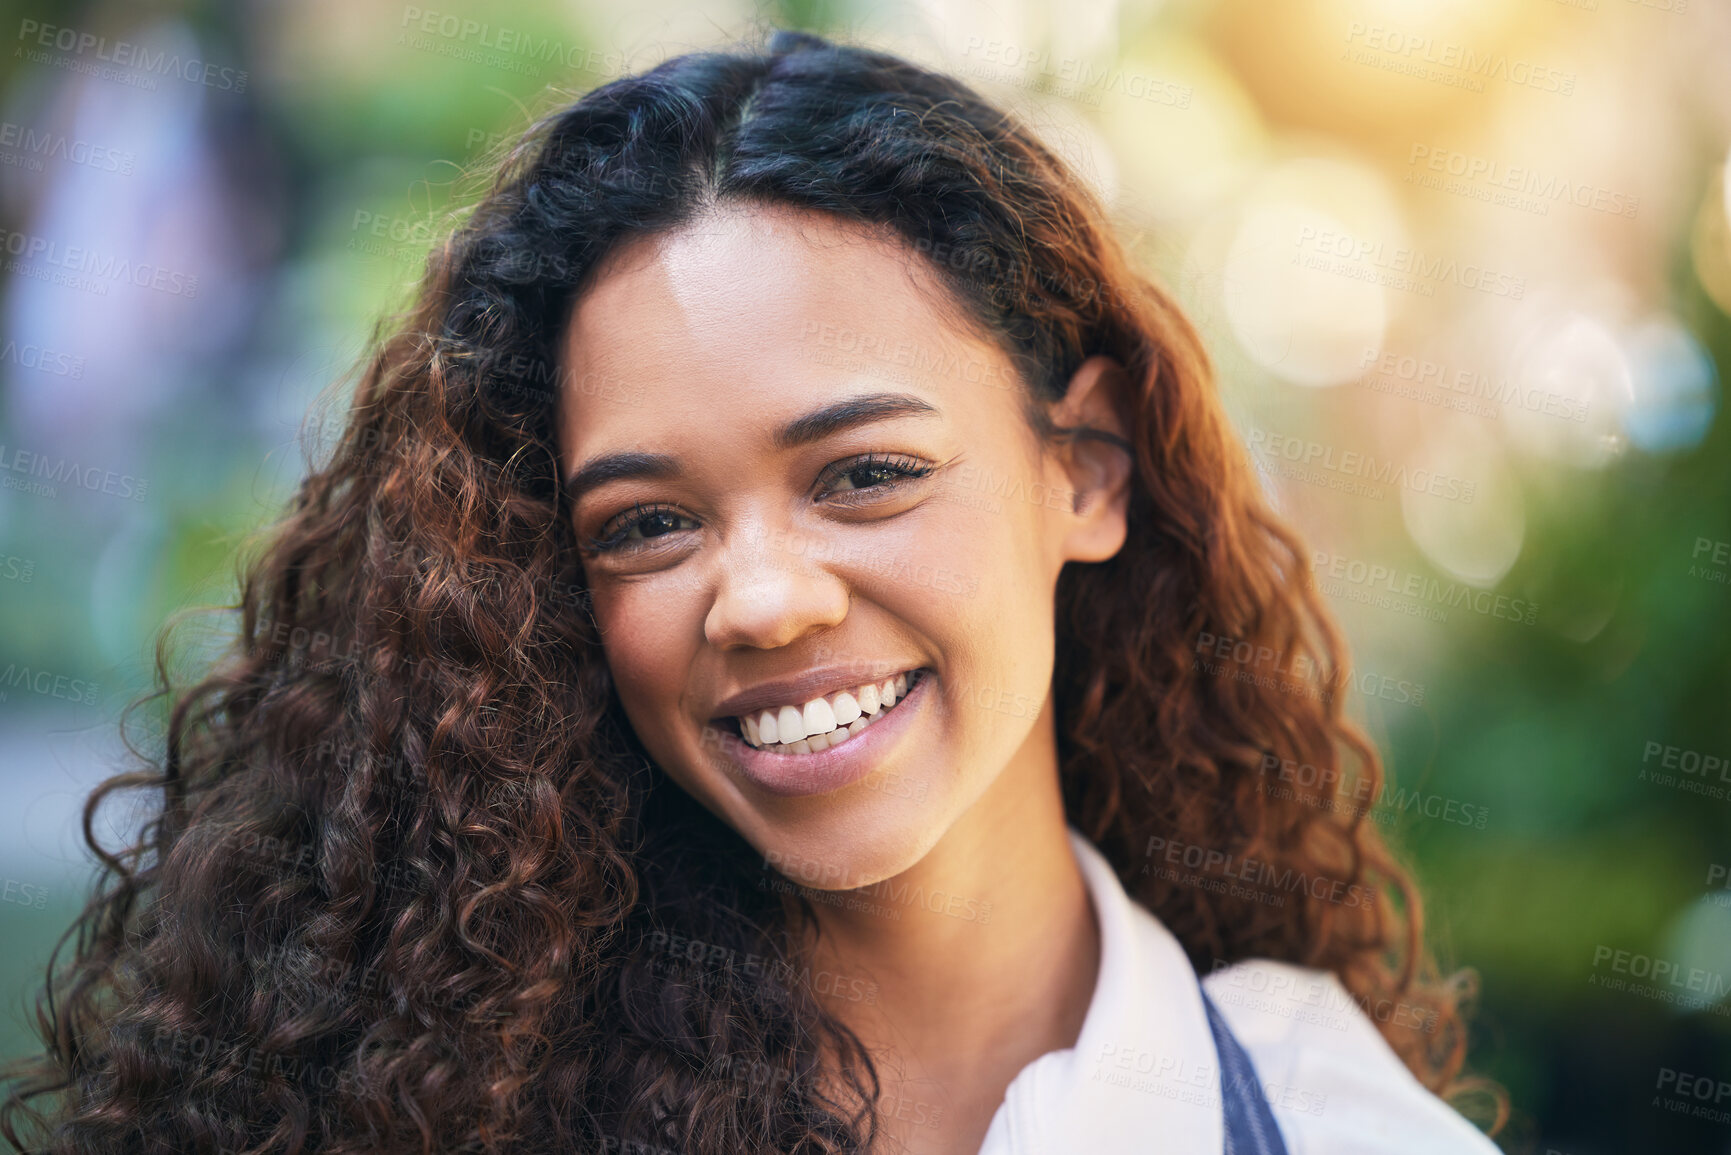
1143, 1075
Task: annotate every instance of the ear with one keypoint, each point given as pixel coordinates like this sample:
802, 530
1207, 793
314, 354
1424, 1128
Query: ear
1095, 455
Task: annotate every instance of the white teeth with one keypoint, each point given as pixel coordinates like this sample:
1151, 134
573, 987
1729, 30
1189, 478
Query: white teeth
819, 718
789, 725
823, 722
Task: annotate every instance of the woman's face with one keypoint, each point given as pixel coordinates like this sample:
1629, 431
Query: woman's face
805, 489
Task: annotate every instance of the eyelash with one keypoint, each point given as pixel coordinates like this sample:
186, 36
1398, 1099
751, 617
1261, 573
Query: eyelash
615, 534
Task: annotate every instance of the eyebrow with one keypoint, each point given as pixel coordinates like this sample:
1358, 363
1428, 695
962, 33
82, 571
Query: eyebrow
813, 426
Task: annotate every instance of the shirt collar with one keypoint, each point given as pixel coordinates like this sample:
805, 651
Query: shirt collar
1144, 1065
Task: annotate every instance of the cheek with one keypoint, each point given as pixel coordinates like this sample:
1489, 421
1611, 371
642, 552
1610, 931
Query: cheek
977, 582
993, 549
1008, 618
643, 632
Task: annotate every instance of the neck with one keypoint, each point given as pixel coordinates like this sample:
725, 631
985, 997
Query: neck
984, 953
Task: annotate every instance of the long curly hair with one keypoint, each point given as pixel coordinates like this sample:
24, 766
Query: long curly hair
409, 879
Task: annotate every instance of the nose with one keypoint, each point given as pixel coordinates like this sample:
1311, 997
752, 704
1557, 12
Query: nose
773, 589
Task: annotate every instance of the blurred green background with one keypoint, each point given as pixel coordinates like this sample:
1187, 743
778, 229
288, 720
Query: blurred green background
1484, 242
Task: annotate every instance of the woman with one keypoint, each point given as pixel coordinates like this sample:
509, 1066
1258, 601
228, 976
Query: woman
787, 655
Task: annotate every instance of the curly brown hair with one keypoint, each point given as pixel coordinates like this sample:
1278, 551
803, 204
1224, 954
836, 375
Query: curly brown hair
405, 884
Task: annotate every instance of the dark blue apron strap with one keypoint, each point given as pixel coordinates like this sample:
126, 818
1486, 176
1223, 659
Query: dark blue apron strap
1250, 1127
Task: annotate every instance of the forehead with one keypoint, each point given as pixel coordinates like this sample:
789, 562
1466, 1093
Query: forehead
759, 311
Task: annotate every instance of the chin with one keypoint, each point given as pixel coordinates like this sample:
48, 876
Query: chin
848, 849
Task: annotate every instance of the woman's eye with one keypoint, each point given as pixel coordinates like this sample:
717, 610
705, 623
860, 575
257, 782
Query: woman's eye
865, 476
639, 526
870, 473
636, 526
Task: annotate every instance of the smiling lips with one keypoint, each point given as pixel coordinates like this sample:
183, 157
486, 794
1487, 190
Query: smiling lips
826, 721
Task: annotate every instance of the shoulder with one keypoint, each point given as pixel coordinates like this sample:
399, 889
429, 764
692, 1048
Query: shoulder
1333, 1082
